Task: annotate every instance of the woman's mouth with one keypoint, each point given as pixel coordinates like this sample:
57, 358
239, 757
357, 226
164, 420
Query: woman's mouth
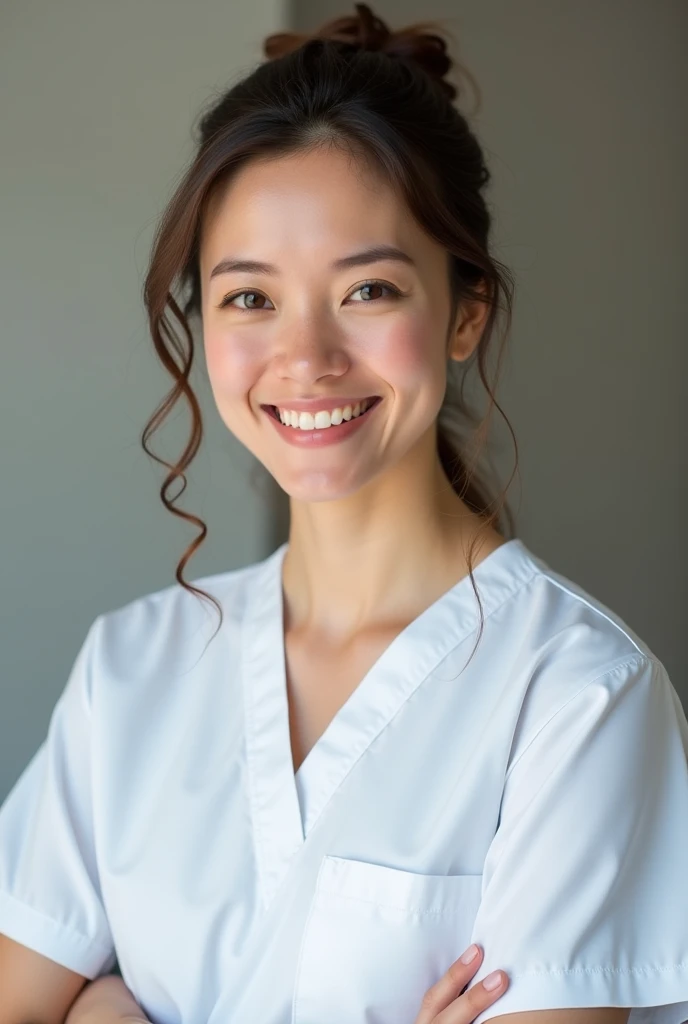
310, 436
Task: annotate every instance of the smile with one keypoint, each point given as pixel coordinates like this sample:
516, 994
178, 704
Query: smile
312, 436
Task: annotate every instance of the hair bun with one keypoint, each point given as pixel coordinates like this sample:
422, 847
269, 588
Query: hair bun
368, 32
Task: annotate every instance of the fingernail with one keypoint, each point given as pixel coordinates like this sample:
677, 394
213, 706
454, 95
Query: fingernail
492, 980
469, 955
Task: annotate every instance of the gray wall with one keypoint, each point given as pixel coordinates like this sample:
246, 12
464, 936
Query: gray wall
583, 107
96, 105
582, 118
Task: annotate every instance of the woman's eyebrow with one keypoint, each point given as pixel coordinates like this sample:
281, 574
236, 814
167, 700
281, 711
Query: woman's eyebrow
373, 254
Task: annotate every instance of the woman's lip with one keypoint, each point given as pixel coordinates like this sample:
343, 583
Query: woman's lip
317, 404
320, 437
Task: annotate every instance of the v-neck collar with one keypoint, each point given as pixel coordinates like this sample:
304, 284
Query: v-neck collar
286, 805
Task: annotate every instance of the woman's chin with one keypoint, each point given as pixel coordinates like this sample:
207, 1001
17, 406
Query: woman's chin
318, 486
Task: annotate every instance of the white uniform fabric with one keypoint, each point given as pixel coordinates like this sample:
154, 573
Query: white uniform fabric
535, 803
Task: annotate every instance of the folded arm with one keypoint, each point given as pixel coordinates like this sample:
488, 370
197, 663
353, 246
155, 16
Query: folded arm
37, 990
107, 1000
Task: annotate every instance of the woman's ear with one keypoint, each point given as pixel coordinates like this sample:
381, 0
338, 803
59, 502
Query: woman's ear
469, 325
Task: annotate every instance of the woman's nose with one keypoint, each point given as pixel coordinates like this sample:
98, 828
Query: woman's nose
309, 349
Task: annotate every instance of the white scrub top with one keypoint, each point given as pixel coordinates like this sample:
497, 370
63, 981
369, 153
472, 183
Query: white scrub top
535, 802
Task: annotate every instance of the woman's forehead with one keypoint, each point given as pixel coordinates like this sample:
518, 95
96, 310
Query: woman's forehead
320, 202
325, 179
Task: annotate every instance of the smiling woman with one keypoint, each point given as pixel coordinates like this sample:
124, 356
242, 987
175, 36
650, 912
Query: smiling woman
261, 244
373, 797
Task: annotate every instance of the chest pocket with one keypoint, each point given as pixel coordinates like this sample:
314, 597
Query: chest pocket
376, 938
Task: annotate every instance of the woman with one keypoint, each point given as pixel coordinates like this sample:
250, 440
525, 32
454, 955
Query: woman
408, 736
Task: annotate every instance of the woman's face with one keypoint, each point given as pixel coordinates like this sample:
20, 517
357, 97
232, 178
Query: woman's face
308, 328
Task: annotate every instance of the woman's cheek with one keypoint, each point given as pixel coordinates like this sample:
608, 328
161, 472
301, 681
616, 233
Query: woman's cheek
234, 371
233, 364
403, 356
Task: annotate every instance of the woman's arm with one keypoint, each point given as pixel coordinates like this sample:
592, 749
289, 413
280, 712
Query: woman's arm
107, 1000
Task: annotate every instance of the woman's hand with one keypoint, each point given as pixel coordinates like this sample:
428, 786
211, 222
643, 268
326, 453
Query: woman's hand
443, 1003
107, 1000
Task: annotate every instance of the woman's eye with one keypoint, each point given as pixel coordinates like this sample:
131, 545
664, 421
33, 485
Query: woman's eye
250, 302
372, 285
228, 299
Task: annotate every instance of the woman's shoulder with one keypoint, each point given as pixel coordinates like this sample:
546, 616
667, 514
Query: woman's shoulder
563, 613
569, 648
172, 623
223, 585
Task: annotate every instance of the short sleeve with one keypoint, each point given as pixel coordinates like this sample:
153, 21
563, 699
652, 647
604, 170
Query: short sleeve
50, 898
585, 883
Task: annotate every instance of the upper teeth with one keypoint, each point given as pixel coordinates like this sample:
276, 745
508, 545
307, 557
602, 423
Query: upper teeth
324, 417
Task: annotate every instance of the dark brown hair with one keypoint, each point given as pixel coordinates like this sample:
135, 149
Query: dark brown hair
384, 96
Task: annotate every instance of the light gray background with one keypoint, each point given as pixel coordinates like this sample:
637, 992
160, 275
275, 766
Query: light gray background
582, 117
